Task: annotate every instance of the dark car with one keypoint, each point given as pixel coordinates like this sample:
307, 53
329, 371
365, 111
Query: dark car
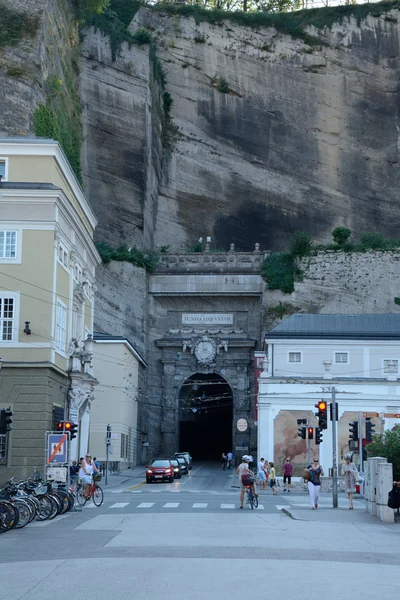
183, 464
177, 467
160, 469
187, 457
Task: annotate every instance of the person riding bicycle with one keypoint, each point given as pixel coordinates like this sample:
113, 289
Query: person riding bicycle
86, 473
243, 471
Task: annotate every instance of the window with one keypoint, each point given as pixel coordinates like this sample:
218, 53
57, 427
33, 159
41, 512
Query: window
63, 255
341, 357
4, 169
294, 357
61, 326
391, 366
124, 445
78, 274
7, 319
8, 244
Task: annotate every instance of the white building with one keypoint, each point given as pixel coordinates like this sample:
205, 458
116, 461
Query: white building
119, 369
310, 358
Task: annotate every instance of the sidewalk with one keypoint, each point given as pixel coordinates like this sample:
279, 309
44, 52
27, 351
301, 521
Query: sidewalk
128, 478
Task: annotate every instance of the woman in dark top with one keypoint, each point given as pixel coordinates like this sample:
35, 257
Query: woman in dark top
314, 484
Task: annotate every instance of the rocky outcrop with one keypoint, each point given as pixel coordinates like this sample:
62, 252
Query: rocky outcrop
275, 135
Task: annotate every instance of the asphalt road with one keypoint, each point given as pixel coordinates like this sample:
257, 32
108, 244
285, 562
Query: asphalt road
189, 540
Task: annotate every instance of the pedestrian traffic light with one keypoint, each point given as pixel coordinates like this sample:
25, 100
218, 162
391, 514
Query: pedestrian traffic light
353, 428
369, 429
336, 411
322, 414
302, 432
5, 420
310, 433
318, 435
65, 426
60, 426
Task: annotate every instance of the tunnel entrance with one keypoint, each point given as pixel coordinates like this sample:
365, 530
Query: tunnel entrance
205, 416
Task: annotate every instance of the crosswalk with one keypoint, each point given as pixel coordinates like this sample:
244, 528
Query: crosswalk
174, 505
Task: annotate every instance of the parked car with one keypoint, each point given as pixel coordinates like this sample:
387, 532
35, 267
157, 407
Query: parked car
160, 469
187, 456
183, 463
177, 467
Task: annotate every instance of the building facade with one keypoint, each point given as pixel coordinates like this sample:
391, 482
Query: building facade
47, 275
120, 371
351, 359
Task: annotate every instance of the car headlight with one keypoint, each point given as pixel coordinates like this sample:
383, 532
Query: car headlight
176, 470
150, 472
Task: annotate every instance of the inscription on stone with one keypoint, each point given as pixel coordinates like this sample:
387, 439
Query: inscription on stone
207, 319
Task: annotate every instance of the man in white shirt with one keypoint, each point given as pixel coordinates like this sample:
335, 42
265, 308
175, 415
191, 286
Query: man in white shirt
251, 461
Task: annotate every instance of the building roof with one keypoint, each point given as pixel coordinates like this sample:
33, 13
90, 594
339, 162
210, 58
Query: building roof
22, 185
317, 326
99, 336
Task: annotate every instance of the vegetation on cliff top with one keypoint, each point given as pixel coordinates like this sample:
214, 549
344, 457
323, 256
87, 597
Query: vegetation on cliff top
144, 259
16, 25
281, 270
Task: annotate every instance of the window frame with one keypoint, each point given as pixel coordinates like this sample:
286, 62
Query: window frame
4, 159
12, 260
339, 362
64, 252
387, 360
295, 362
60, 304
15, 319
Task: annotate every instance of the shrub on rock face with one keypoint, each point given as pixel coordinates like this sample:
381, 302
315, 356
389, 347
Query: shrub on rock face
341, 235
301, 244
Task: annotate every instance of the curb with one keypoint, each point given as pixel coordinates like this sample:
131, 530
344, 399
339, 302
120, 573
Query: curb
288, 513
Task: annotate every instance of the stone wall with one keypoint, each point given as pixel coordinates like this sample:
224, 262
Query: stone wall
31, 393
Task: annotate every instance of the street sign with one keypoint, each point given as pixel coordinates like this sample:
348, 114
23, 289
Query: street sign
241, 425
57, 448
57, 474
392, 416
370, 414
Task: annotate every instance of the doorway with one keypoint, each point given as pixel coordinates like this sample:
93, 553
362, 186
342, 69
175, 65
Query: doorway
205, 416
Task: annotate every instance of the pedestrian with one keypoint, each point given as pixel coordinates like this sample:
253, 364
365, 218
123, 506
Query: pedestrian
244, 471
230, 459
313, 473
73, 474
349, 470
251, 462
287, 474
272, 479
96, 463
261, 474
224, 458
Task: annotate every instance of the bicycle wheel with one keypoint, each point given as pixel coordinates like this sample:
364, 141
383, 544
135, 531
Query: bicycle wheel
98, 496
55, 507
255, 501
46, 508
24, 512
80, 495
251, 499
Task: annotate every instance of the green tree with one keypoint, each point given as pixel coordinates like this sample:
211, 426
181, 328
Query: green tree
341, 235
388, 446
87, 8
301, 244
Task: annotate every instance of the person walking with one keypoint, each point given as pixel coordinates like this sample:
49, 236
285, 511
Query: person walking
287, 474
261, 474
224, 459
315, 472
73, 474
230, 459
349, 470
272, 479
251, 462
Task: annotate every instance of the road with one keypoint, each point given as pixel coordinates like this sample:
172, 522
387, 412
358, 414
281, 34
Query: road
188, 540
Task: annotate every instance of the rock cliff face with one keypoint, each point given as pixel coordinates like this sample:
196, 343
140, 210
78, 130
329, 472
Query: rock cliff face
275, 135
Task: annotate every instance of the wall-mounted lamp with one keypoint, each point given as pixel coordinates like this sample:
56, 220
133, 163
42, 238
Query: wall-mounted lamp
27, 329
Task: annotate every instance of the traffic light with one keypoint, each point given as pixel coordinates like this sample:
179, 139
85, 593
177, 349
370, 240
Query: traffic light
5, 420
353, 428
302, 432
318, 435
336, 410
322, 414
65, 426
369, 429
310, 432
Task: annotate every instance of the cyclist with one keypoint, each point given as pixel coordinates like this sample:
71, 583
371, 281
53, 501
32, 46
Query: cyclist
86, 474
243, 469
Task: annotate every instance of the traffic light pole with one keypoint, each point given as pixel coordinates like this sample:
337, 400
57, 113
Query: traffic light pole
360, 438
308, 445
334, 452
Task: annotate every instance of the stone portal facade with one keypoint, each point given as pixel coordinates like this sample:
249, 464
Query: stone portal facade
204, 317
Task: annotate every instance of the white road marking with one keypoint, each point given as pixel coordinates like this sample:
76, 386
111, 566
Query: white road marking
119, 505
227, 506
260, 507
171, 505
145, 505
200, 505
116, 491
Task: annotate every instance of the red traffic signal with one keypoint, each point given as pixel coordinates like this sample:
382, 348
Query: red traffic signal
310, 432
321, 405
322, 414
68, 426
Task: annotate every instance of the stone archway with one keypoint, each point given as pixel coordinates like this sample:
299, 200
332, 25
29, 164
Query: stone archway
205, 416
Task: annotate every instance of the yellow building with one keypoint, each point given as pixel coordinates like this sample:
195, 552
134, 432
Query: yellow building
47, 284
